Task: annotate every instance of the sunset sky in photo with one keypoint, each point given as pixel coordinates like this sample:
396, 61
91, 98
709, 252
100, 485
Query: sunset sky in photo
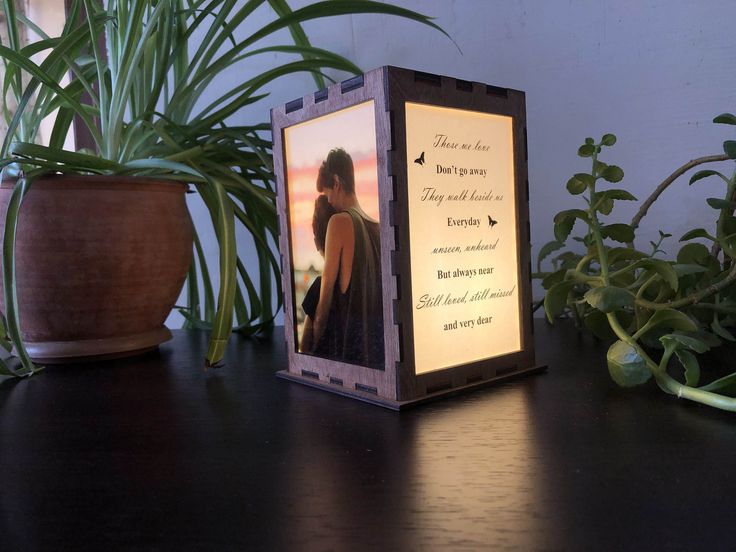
307, 145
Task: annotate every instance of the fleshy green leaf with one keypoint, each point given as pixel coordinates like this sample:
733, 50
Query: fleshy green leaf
608, 139
692, 368
609, 298
696, 233
575, 186
684, 342
622, 233
563, 227
579, 183
673, 319
555, 299
588, 179
718, 203
700, 175
721, 332
565, 220
548, 248
618, 254
618, 194
605, 206
693, 253
586, 150
708, 338
598, 167
613, 174
664, 269
729, 146
687, 269
725, 119
725, 385
567, 257
626, 365
554, 278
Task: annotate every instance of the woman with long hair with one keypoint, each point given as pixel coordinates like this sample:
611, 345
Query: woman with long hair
350, 299
323, 211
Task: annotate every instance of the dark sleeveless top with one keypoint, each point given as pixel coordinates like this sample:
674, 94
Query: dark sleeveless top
309, 304
355, 335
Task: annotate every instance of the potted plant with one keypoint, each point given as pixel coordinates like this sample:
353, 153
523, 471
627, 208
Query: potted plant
660, 315
158, 119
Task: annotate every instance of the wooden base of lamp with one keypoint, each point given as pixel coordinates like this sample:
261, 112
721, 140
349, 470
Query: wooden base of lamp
404, 405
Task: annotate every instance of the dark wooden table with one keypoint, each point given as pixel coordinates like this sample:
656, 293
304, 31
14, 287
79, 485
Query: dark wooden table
155, 454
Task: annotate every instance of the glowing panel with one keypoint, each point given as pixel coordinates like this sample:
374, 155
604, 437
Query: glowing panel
463, 236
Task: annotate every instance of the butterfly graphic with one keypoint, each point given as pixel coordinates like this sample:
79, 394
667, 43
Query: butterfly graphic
420, 159
492, 222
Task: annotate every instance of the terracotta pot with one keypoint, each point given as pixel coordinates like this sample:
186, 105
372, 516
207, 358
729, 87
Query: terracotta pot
100, 262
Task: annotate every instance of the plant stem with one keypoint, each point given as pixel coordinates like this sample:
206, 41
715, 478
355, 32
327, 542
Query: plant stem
715, 308
596, 228
583, 263
723, 217
669, 180
693, 298
667, 382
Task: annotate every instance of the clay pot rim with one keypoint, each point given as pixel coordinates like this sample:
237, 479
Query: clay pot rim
101, 182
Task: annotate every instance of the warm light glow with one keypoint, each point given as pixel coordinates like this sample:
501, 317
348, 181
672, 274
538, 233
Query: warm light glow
463, 236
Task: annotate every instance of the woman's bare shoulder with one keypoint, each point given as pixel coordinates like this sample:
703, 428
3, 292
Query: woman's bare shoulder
340, 221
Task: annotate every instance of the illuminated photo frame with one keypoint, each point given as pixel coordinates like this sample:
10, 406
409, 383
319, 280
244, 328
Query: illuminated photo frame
432, 268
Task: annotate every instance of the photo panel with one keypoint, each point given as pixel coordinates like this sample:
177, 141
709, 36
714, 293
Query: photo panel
331, 170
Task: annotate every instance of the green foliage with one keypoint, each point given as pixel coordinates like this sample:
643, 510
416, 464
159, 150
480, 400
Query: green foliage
556, 300
704, 174
579, 183
675, 309
696, 233
609, 298
671, 319
718, 203
692, 368
622, 233
626, 365
726, 119
154, 104
608, 140
729, 147
612, 173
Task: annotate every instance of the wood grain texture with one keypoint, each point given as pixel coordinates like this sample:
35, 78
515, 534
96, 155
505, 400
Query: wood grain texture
352, 376
390, 88
156, 454
409, 86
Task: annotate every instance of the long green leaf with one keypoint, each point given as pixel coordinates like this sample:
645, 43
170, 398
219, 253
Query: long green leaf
282, 9
41, 76
9, 277
223, 220
54, 155
209, 296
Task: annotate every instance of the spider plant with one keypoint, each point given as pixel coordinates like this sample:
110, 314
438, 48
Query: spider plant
145, 85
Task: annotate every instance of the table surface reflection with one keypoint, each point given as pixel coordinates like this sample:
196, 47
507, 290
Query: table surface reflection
155, 453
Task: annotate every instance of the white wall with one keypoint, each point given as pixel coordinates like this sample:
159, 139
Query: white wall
654, 73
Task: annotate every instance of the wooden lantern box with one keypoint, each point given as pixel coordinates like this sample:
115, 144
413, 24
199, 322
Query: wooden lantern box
420, 241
